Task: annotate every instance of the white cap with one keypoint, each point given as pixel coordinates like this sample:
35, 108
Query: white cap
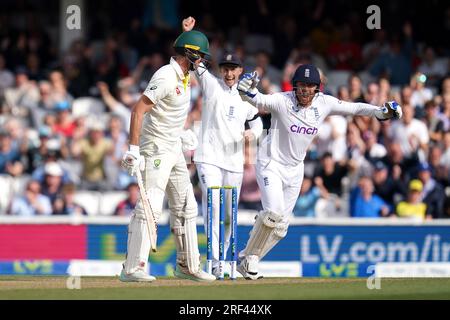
96, 126
53, 144
95, 123
53, 169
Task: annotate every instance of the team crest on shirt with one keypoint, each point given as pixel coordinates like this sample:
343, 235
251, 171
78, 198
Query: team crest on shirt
230, 114
157, 162
177, 90
312, 116
316, 114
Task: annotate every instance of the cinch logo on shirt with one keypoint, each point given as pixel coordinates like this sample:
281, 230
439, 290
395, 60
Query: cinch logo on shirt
303, 130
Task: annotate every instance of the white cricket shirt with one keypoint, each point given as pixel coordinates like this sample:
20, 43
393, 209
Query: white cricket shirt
221, 137
293, 128
170, 90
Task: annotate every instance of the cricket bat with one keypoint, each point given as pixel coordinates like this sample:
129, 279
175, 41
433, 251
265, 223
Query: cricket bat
151, 223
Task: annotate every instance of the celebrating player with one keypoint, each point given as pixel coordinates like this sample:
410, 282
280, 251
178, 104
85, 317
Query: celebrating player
161, 112
296, 119
219, 156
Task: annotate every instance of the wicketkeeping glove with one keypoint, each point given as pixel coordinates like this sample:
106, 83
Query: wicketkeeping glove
247, 84
390, 110
133, 161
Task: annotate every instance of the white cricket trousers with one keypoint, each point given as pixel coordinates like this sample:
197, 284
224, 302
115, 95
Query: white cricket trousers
165, 174
209, 176
279, 185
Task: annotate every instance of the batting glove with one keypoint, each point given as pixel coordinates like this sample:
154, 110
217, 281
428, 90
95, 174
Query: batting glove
390, 110
133, 161
189, 140
247, 84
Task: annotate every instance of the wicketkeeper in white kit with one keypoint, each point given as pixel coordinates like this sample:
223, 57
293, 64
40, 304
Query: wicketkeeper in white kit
296, 119
219, 157
156, 150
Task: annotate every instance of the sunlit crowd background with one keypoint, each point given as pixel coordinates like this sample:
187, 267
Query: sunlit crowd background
64, 115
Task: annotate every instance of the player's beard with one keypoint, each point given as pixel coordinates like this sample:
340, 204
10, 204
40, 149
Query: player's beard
305, 98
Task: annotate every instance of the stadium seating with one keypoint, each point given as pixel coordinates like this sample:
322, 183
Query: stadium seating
86, 106
336, 79
6, 191
109, 201
89, 200
18, 184
99, 203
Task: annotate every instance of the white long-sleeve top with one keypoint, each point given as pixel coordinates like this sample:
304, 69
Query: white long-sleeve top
293, 128
224, 113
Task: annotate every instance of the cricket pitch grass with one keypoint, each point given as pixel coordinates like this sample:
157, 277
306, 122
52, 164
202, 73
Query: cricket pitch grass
168, 288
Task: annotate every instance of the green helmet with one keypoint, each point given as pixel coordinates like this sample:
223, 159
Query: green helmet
193, 40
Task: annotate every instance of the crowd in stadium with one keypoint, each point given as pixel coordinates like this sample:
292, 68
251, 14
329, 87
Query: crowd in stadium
64, 119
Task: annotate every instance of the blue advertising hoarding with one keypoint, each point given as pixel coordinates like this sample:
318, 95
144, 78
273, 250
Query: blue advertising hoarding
322, 250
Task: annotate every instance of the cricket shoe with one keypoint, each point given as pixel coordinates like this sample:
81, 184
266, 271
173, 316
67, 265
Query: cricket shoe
138, 276
184, 273
248, 267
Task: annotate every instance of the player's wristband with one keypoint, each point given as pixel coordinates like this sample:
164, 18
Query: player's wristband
134, 149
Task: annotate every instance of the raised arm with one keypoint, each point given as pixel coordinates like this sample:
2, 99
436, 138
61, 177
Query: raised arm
113, 104
248, 92
208, 82
387, 111
188, 24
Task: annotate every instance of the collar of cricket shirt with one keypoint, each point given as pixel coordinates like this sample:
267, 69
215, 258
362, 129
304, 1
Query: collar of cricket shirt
231, 90
177, 69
